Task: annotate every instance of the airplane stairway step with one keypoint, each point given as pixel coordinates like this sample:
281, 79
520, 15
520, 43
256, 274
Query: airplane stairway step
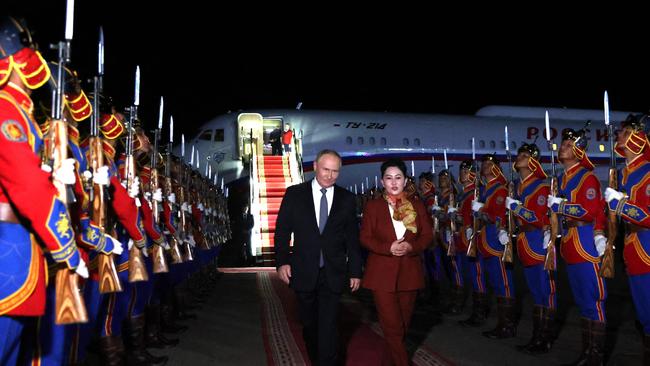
273, 177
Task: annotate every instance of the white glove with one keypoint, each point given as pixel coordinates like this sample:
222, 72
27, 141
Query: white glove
510, 201
157, 195
87, 175
190, 239
165, 245
200, 206
451, 209
476, 206
611, 194
601, 242
185, 207
130, 244
65, 173
46, 168
82, 269
553, 200
448, 236
117, 246
208, 211
101, 176
134, 190
547, 239
468, 233
145, 252
435, 208
172, 198
503, 237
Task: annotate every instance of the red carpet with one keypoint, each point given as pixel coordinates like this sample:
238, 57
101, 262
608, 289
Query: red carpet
283, 334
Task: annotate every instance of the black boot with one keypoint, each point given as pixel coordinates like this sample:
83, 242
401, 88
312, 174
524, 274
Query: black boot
154, 338
181, 300
546, 335
597, 347
112, 351
167, 317
136, 354
506, 325
479, 311
434, 301
646, 350
538, 312
586, 342
457, 301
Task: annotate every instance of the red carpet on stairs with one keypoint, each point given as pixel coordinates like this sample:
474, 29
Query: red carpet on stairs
273, 178
282, 331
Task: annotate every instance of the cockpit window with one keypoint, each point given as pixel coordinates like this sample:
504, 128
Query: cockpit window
218, 135
206, 135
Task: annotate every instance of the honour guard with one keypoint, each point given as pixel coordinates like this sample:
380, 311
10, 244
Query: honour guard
529, 207
581, 205
632, 204
490, 209
22, 222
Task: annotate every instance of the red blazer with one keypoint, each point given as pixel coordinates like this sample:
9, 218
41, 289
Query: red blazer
384, 272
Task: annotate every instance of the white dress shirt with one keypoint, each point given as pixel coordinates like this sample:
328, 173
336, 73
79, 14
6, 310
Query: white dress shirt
399, 227
316, 193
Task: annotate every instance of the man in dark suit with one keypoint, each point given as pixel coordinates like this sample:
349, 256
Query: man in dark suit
325, 253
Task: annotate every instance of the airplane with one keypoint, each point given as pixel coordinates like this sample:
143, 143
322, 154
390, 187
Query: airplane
365, 139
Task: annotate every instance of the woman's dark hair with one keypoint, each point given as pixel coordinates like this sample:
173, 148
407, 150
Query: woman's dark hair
396, 162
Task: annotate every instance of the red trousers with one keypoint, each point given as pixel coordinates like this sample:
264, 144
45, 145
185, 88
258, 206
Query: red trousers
395, 310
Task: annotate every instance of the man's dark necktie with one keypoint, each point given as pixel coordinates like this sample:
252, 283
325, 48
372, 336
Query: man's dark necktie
322, 220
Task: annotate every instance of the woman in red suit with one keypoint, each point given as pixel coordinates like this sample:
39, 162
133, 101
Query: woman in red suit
395, 229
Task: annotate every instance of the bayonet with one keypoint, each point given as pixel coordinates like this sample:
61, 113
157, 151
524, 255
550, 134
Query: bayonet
607, 263
550, 262
507, 250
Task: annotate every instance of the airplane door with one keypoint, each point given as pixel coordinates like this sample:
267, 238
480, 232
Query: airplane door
249, 125
261, 129
273, 135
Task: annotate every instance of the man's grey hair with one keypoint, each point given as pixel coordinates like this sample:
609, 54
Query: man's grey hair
328, 152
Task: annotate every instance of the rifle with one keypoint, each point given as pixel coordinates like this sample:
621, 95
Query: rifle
476, 224
69, 305
137, 269
550, 262
451, 247
507, 250
158, 253
436, 222
175, 253
108, 279
607, 263
181, 194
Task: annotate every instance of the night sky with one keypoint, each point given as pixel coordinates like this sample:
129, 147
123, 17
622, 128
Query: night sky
208, 61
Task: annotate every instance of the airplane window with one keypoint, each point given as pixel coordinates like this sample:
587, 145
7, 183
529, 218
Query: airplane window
371, 141
405, 142
493, 144
218, 135
360, 140
382, 141
481, 144
206, 135
348, 140
416, 142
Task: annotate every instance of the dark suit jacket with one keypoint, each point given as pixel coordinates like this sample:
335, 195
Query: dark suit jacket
339, 241
385, 272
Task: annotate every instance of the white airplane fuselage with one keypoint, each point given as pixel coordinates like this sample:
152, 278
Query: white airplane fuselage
366, 139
